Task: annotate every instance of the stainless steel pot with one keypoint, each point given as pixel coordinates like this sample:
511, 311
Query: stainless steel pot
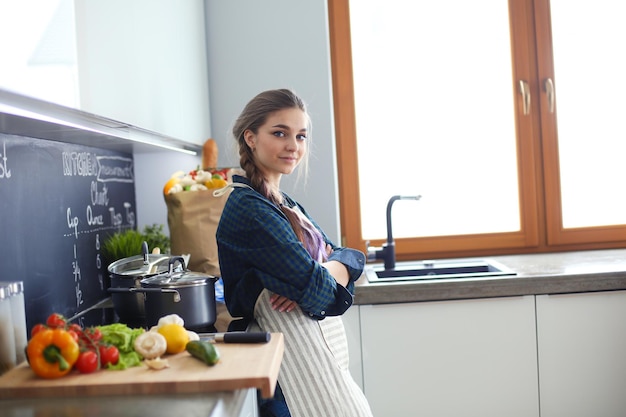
191, 295
127, 273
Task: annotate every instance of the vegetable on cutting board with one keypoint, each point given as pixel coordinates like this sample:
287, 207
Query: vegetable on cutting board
122, 337
152, 345
87, 362
168, 336
57, 347
52, 352
205, 351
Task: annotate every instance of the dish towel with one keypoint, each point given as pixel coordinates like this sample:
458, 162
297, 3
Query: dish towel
314, 374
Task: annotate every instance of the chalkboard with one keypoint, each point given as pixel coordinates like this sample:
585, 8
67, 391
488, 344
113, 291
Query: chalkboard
59, 202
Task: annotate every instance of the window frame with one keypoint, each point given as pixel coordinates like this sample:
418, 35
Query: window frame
537, 145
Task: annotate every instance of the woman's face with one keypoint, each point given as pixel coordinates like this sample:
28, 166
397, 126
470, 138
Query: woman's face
280, 143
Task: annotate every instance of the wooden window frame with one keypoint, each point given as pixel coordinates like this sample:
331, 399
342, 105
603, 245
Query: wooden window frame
538, 169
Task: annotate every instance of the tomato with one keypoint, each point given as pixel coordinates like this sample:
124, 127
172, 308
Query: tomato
76, 327
222, 173
87, 362
108, 354
37, 328
56, 320
94, 333
74, 335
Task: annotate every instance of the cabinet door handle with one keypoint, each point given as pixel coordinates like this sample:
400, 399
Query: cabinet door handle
549, 86
525, 92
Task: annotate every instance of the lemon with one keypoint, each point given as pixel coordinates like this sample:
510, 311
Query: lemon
176, 337
169, 184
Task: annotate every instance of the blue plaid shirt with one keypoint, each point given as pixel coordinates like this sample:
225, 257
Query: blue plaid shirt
258, 249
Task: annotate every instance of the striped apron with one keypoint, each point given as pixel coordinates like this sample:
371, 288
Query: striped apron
314, 374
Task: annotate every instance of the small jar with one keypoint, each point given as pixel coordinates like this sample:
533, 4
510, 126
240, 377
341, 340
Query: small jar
18, 313
7, 334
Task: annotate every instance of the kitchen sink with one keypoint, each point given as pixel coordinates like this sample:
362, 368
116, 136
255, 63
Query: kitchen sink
438, 270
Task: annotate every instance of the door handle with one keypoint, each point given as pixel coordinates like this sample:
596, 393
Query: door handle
525, 92
549, 86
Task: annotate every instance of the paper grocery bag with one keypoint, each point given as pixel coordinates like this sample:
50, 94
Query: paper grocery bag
192, 217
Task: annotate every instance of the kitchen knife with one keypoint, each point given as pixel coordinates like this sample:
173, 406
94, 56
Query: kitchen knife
236, 337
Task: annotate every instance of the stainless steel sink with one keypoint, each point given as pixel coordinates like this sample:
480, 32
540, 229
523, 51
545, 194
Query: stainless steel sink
436, 270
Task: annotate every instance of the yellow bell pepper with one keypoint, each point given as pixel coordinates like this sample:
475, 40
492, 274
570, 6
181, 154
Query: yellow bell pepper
215, 182
52, 353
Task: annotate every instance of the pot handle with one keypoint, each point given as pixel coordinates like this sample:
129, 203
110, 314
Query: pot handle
117, 290
161, 290
144, 252
173, 261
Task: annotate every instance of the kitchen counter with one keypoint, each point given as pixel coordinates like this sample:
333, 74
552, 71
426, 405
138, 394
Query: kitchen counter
186, 387
551, 273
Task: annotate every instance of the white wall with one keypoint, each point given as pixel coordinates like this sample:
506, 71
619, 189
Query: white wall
254, 46
257, 45
152, 170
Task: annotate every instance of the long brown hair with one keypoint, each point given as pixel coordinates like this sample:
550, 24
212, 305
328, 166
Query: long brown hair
253, 116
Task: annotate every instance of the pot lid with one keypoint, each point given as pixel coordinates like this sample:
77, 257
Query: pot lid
135, 266
177, 280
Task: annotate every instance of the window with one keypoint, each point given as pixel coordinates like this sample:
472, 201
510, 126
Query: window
457, 101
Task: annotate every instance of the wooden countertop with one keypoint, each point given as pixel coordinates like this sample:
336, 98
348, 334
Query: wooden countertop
240, 366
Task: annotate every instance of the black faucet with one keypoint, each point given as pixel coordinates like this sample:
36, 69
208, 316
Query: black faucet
387, 252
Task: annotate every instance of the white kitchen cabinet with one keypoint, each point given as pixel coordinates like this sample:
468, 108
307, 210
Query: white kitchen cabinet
582, 354
451, 358
144, 62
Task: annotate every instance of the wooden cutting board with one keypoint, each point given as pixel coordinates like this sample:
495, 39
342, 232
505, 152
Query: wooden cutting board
240, 366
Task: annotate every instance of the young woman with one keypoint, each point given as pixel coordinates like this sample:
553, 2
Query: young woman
280, 269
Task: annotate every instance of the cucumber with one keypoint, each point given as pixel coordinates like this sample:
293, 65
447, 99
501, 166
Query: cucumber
205, 351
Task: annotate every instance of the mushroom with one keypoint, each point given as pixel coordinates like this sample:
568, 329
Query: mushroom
157, 363
151, 345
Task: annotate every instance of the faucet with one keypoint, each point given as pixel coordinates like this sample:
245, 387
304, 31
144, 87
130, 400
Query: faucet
387, 252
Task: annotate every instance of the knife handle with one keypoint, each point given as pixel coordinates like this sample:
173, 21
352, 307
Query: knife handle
247, 337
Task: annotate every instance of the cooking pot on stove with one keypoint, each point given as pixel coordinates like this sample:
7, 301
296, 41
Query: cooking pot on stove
127, 273
189, 294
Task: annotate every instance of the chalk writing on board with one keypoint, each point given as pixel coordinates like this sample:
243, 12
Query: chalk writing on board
74, 197
5, 172
82, 164
99, 262
106, 170
77, 279
93, 220
115, 168
130, 215
99, 196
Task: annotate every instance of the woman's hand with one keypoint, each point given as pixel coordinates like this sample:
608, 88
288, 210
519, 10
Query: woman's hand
329, 250
280, 303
